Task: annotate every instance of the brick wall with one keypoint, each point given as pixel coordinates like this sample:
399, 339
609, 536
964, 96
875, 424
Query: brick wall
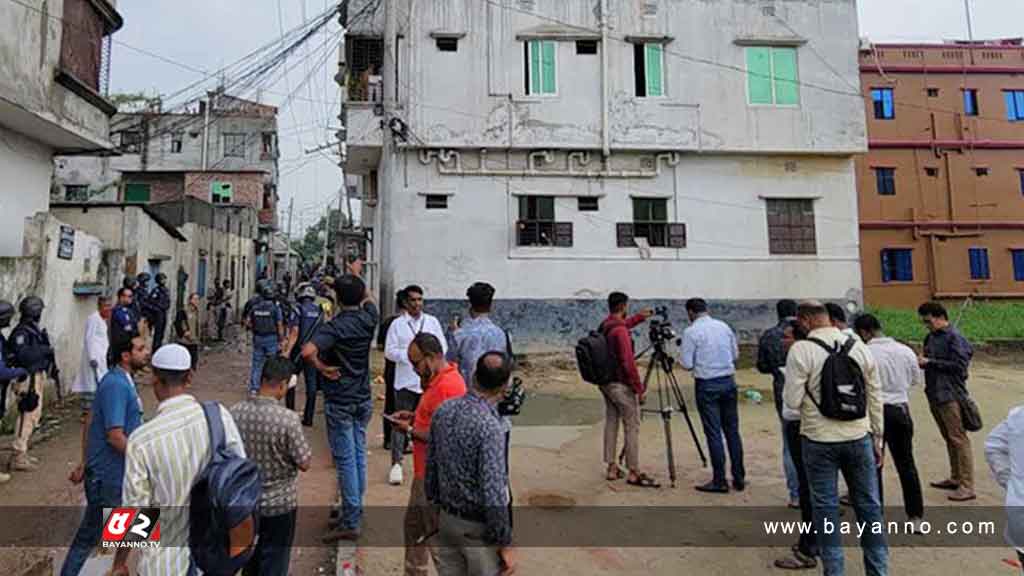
162, 187
247, 187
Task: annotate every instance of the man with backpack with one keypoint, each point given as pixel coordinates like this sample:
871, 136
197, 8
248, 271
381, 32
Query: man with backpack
163, 460
833, 381
771, 359
622, 395
310, 317
946, 359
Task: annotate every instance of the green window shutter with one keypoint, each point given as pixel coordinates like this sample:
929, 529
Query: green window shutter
759, 70
535, 67
787, 87
136, 193
220, 192
548, 67
653, 68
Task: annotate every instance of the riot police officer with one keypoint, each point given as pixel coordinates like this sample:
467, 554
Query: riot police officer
8, 373
31, 349
311, 316
159, 303
124, 322
267, 325
290, 319
143, 310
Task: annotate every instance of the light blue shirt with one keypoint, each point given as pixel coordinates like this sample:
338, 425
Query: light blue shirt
476, 337
710, 349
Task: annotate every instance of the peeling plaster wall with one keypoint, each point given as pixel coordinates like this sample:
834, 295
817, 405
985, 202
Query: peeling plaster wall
25, 168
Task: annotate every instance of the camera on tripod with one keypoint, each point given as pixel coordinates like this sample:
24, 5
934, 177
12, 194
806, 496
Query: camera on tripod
661, 330
512, 403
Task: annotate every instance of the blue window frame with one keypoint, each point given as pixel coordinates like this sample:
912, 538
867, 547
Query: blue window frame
971, 102
1018, 265
979, 263
885, 181
1014, 105
897, 265
885, 107
1020, 174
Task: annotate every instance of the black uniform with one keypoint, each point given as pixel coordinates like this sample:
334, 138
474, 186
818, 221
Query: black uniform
159, 303
124, 325
30, 348
8, 373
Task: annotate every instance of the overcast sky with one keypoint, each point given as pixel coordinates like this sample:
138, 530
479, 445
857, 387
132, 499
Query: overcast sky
205, 35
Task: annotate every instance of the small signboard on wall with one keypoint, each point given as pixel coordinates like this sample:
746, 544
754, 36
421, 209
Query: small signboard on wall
66, 248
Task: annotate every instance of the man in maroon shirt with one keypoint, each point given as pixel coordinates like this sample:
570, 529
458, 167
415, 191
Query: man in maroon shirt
621, 397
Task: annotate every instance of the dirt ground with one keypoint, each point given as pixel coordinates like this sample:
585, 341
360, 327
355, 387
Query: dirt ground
556, 457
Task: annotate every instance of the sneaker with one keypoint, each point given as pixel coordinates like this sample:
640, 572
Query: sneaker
4, 478
395, 477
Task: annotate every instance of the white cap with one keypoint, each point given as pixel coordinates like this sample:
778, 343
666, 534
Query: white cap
172, 357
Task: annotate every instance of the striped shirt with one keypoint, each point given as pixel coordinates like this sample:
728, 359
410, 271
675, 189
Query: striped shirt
163, 459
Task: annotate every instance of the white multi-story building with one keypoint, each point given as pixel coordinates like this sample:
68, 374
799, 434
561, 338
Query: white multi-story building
563, 149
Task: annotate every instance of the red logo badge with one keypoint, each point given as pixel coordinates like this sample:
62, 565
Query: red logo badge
131, 527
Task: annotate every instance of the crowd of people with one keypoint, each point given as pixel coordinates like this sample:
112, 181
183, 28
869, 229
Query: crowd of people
841, 395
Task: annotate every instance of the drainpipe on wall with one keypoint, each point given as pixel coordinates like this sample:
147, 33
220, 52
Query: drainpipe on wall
606, 149
206, 130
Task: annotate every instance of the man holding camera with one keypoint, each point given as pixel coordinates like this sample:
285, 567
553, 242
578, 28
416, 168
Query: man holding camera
622, 397
710, 351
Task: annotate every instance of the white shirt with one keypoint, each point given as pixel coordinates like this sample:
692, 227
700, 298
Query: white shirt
897, 369
163, 459
1004, 451
94, 347
396, 348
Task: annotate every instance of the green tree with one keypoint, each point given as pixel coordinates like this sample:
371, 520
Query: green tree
311, 246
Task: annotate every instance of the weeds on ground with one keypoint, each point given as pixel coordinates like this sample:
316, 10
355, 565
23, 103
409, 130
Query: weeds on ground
978, 321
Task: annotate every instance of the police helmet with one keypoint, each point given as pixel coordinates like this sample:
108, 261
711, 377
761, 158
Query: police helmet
130, 282
31, 307
143, 277
265, 288
6, 313
161, 279
306, 291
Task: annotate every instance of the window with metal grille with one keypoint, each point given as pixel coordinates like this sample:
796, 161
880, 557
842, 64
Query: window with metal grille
791, 226
971, 103
979, 263
885, 181
933, 92
884, 103
650, 220
437, 202
448, 44
177, 142
76, 193
131, 141
588, 204
1018, 265
536, 225
586, 47
234, 145
221, 192
897, 265
649, 69
365, 60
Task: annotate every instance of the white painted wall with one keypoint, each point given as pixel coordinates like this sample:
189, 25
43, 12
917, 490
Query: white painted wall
25, 169
720, 198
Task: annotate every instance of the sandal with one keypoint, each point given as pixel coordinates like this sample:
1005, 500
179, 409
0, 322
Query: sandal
619, 474
643, 481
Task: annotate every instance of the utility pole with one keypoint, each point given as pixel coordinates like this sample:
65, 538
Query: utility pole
970, 23
288, 237
327, 235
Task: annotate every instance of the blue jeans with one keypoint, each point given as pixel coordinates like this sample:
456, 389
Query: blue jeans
312, 378
788, 467
856, 461
98, 496
346, 433
716, 402
263, 347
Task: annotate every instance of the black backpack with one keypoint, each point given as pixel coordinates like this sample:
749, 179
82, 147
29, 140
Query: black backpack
595, 358
843, 391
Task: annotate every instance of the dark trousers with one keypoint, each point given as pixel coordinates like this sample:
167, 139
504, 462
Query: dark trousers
274, 546
716, 402
389, 400
899, 438
159, 329
289, 399
312, 379
1020, 556
404, 400
807, 543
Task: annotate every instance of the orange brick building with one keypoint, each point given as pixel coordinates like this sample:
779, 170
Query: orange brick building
941, 190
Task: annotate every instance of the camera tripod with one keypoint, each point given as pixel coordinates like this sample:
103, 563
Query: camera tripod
670, 399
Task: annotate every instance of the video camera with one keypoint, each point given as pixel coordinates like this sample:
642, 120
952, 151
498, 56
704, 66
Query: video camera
512, 403
661, 330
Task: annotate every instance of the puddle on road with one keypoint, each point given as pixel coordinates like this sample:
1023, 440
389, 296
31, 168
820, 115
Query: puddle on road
555, 410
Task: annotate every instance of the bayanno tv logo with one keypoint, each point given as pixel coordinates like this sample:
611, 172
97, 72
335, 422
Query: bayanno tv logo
131, 528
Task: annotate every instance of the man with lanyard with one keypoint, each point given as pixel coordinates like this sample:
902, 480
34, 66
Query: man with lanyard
310, 316
31, 349
407, 382
7, 373
266, 322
